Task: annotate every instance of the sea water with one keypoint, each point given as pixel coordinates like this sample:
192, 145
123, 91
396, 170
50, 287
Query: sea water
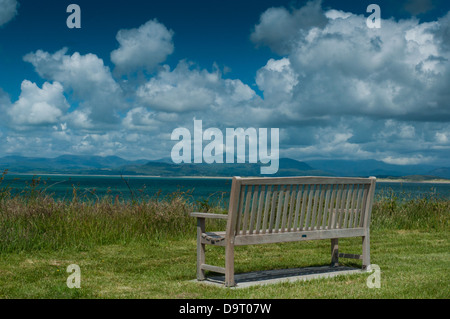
212, 190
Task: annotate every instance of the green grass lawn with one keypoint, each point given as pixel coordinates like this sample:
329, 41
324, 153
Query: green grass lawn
147, 249
414, 264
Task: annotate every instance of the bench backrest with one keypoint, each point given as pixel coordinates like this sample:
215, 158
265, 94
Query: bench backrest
290, 204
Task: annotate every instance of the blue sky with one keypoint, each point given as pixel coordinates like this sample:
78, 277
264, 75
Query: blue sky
137, 70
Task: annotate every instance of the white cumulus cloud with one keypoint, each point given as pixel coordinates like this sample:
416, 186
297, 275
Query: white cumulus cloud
144, 47
277, 80
8, 10
87, 77
280, 28
192, 89
37, 106
343, 68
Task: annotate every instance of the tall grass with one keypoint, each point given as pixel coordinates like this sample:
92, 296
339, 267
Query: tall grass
34, 220
428, 212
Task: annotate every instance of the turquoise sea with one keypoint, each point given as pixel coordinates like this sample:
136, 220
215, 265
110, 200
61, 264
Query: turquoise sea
211, 189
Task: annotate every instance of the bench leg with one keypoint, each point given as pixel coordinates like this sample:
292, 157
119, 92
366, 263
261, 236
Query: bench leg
366, 251
229, 265
200, 249
334, 252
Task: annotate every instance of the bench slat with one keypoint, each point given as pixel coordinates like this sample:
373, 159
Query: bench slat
308, 210
358, 205
317, 224
336, 206
291, 207
355, 206
279, 208
266, 208
349, 221
254, 209
246, 212
297, 207
341, 205
363, 208
330, 210
260, 209
304, 202
272, 208
344, 214
240, 210
285, 208
315, 208
326, 206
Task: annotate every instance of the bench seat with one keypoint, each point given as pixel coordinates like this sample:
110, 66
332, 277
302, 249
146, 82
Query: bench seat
276, 210
218, 238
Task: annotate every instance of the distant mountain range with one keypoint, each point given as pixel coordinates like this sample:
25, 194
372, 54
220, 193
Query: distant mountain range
288, 167
113, 165
65, 164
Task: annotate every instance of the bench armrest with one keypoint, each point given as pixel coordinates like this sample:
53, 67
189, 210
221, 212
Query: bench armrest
208, 215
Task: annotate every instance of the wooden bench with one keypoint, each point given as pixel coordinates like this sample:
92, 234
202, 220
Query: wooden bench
274, 210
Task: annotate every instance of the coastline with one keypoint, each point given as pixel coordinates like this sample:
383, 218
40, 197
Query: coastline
118, 176
78, 175
381, 180
431, 181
